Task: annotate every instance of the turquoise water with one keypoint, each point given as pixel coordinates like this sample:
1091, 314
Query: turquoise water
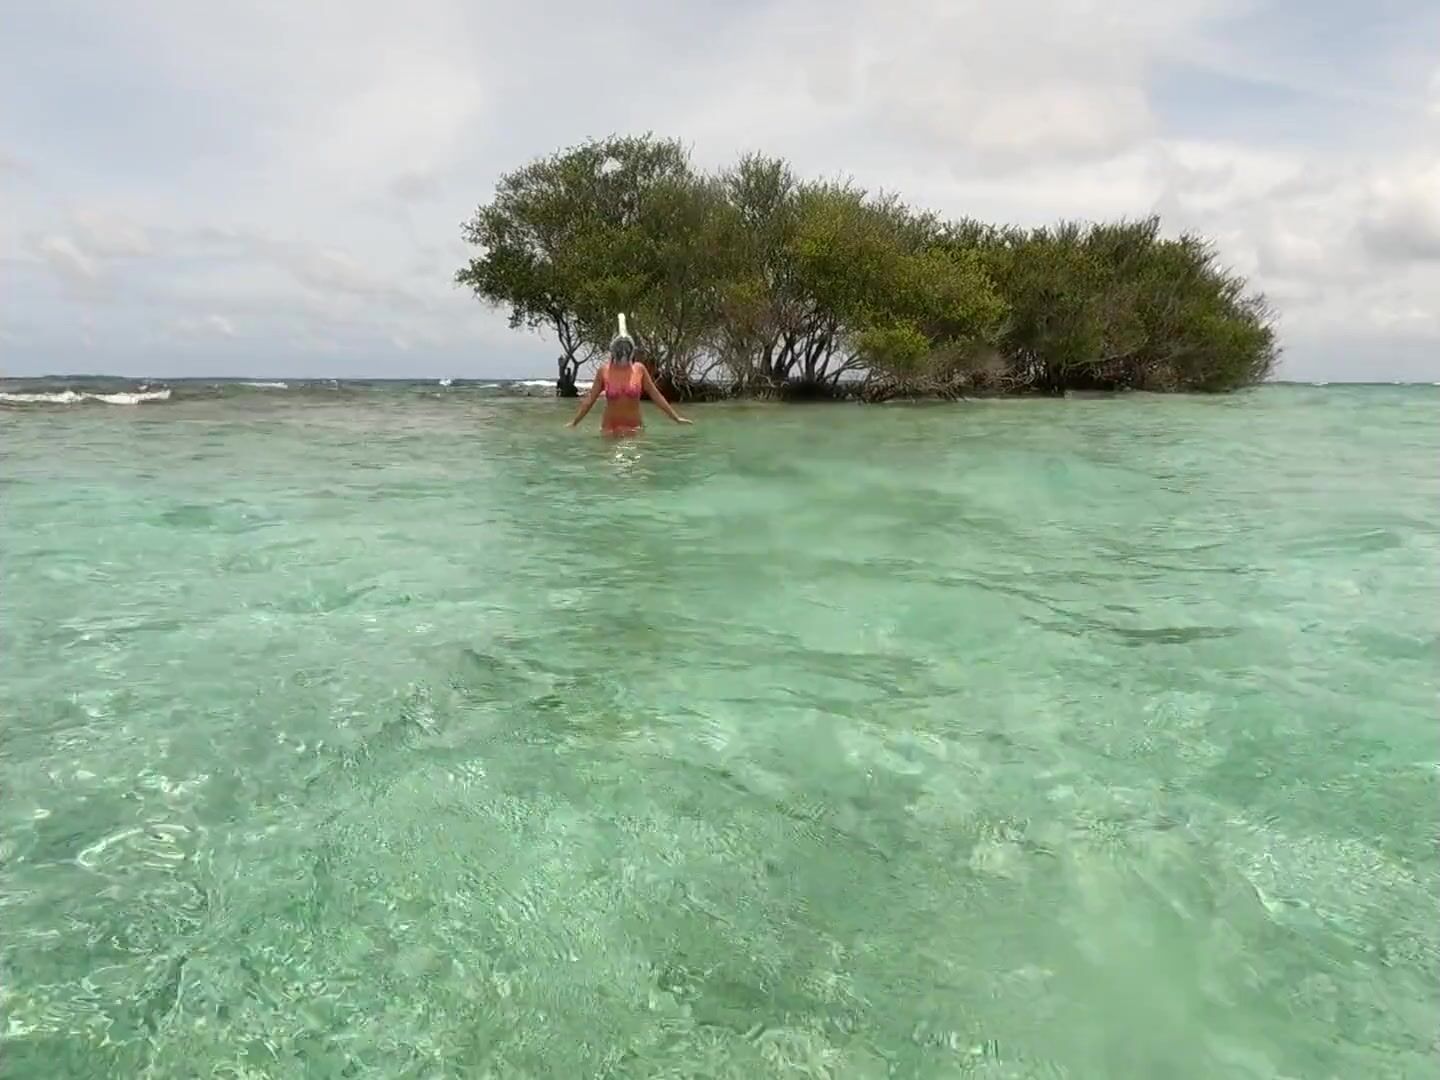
399, 733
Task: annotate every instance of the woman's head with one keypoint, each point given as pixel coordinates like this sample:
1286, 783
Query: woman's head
622, 345
622, 350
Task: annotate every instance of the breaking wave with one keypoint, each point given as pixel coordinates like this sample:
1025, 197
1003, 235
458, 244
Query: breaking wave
105, 390
75, 397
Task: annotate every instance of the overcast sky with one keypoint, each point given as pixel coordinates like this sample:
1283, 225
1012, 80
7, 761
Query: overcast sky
274, 187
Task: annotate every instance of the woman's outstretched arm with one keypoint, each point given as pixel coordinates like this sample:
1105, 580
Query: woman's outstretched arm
597, 386
659, 399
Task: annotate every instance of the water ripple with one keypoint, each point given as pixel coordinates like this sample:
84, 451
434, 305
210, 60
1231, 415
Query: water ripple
354, 732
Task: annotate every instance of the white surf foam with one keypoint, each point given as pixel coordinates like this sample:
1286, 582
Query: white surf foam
71, 397
267, 385
132, 399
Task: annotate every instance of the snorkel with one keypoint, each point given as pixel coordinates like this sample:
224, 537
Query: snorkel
622, 345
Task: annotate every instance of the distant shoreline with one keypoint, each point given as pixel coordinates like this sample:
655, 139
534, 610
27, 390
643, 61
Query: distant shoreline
526, 380
52, 393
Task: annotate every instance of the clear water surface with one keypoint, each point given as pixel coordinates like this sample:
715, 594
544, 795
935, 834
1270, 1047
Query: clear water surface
396, 732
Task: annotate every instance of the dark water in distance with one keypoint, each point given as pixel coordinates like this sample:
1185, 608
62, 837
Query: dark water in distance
395, 732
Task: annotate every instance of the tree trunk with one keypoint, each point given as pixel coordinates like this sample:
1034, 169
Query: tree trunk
565, 385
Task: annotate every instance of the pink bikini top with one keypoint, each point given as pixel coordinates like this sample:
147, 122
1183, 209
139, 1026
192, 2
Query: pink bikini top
631, 389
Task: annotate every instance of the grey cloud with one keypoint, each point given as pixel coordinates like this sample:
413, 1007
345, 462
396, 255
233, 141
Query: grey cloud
110, 236
1407, 231
415, 185
324, 270
71, 264
212, 325
336, 272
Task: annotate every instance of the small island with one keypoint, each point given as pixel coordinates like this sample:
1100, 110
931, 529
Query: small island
755, 283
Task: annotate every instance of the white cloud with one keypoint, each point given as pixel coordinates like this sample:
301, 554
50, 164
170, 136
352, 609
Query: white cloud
302, 168
1010, 85
203, 326
1404, 220
408, 117
219, 324
953, 85
74, 266
110, 236
335, 272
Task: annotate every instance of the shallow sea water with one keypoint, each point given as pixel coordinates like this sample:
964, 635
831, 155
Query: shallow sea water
393, 734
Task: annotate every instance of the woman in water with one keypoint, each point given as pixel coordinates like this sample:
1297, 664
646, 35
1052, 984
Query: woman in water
623, 380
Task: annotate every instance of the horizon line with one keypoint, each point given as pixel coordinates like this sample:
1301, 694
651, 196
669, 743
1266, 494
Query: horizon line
549, 378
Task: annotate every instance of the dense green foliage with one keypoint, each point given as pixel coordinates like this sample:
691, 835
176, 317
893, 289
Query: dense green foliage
754, 281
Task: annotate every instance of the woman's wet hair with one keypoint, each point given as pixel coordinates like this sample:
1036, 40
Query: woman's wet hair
622, 350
